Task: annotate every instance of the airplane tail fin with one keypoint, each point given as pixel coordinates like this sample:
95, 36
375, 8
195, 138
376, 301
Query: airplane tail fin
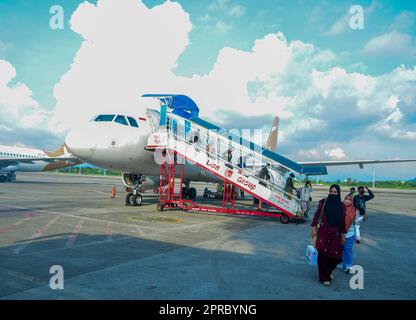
61, 151
271, 143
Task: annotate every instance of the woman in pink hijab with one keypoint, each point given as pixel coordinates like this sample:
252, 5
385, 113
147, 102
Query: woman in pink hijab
347, 254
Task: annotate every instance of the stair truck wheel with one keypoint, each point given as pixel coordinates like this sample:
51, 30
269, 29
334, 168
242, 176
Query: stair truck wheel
137, 200
129, 199
192, 193
284, 219
159, 207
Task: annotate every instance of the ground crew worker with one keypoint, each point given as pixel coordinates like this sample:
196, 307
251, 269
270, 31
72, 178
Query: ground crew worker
359, 204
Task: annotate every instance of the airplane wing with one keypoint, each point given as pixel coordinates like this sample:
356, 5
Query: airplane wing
361, 163
16, 161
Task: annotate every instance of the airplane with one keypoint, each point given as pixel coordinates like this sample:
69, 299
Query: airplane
120, 142
14, 159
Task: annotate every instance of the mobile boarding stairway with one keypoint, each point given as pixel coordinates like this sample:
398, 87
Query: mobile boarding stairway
182, 135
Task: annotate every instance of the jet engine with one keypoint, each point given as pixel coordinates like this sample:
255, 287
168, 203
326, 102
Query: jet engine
132, 180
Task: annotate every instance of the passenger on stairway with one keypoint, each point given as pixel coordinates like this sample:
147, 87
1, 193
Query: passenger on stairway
228, 155
241, 162
264, 175
197, 140
289, 187
210, 149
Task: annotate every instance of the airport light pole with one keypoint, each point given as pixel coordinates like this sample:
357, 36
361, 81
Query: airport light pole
374, 178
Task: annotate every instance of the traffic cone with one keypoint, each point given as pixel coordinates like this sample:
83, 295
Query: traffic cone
113, 192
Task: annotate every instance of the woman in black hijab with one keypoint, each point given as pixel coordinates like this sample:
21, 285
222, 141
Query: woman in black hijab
328, 226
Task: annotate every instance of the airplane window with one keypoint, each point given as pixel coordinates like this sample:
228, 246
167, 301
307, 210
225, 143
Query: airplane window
121, 120
133, 122
105, 117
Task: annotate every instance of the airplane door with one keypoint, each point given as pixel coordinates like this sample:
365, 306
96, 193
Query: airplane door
154, 119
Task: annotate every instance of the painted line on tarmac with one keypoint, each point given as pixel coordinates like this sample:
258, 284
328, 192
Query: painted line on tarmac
104, 192
38, 234
73, 237
76, 216
109, 231
138, 230
13, 226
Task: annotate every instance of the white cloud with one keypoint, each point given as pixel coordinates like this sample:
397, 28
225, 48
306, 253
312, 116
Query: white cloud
4, 128
130, 50
312, 154
323, 152
237, 11
404, 21
339, 26
218, 5
393, 43
230, 9
3, 48
222, 27
16, 101
336, 154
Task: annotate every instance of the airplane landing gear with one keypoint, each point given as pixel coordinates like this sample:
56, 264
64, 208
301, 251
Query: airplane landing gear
12, 177
188, 192
8, 177
134, 198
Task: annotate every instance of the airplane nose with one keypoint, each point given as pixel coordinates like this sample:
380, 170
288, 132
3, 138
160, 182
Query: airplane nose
80, 144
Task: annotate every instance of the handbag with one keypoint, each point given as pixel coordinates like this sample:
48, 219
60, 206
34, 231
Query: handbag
321, 214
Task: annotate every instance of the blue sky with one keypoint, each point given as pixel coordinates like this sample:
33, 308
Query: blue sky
41, 57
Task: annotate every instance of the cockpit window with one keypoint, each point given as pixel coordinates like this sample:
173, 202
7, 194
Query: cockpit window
133, 122
121, 120
105, 117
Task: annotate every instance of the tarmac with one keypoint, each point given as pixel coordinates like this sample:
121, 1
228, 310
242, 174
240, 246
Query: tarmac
110, 251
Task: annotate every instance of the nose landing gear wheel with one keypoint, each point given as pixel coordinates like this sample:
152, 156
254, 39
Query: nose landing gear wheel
129, 199
137, 200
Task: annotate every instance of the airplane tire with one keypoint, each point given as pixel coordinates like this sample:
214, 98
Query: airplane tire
2, 179
129, 199
137, 200
284, 219
192, 193
184, 192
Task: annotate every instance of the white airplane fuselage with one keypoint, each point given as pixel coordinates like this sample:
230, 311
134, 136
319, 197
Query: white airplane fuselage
7, 152
15, 159
122, 148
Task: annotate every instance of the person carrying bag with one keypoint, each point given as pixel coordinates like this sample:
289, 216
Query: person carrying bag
328, 233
